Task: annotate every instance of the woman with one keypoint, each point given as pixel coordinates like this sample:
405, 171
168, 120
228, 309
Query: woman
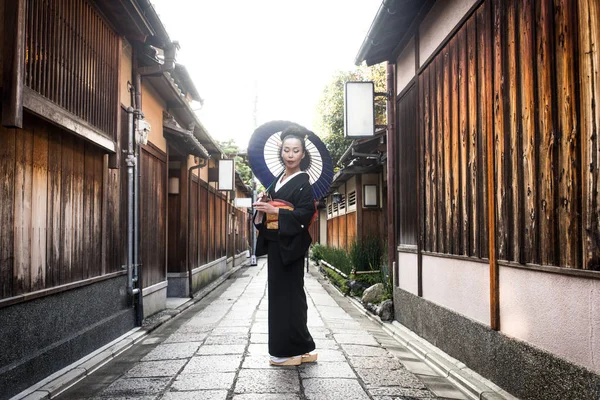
286, 242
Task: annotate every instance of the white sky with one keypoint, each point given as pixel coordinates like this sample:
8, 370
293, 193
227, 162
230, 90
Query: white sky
281, 50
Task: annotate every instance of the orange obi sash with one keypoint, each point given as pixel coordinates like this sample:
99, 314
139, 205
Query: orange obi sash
273, 219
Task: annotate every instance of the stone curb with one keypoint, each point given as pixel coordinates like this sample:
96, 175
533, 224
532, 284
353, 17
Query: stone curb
470, 383
65, 378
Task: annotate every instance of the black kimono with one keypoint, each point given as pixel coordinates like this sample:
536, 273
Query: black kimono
286, 247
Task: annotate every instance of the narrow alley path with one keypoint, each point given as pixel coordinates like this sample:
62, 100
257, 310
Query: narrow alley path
217, 349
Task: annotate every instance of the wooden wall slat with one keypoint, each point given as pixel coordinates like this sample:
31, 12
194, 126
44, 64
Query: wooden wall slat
589, 66
433, 156
499, 95
473, 146
455, 234
22, 212
78, 266
39, 198
99, 211
513, 137
547, 134
484, 63
88, 213
54, 221
464, 187
441, 175
7, 198
568, 135
425, 134
66, 251
447, 134
530, 214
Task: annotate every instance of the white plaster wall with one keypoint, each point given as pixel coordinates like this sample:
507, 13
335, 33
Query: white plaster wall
407, 273
462, 286
558, 313
405, 66
438, 23
323, 227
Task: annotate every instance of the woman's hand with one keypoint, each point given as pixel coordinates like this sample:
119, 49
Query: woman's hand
263, 206
264, 197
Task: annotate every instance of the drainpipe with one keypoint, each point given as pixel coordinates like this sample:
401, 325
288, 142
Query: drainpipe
189, 204
131, 163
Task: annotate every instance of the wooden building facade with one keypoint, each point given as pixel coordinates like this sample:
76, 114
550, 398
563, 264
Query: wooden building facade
76, 78
496, 216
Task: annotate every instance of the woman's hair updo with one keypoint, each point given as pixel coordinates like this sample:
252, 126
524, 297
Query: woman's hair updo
300, 133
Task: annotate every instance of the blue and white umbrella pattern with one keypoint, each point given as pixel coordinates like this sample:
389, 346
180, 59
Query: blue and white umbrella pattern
264, 156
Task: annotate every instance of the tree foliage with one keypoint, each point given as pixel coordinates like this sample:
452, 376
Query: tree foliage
241, 165
330, 112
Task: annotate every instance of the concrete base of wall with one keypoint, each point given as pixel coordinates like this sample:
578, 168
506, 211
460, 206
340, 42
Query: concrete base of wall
521, 369
155, 298
179, 284
42, 336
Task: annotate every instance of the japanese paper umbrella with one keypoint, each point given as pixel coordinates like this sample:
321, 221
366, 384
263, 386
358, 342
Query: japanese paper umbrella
264, 150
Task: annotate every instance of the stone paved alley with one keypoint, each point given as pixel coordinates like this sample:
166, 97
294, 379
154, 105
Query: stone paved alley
217, 349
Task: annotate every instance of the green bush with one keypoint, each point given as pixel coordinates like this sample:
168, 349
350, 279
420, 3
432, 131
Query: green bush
316, 252
366, 254
338, 258
338, 280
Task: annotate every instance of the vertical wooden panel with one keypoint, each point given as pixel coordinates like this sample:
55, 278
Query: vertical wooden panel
473, 145
464, 196
7, 201
547, 135
79, 268
589, 66
455, 236
54, 222
529, 166
434, 177
22, 211
447, 134
426, 135
66, 250
500, 156
99, 212
39, 200
568, 134
441, 139
88, 213
513, 139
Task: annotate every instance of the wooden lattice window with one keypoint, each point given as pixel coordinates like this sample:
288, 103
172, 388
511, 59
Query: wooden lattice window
71, 59
352, 199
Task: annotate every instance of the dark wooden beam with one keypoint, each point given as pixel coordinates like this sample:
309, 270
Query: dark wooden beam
14, 63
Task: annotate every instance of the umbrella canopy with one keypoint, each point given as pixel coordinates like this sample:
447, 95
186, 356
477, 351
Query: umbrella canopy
264, 152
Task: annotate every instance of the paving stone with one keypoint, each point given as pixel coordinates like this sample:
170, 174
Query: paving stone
326, 370
259, 328
156, 368
212, 363
376, 362
330, 355
230, 330
280, 380
195, 326
259, 338
221, 349
266, 396
363, 339
259, 361
326, 344
197, 395
383, 377
172, 351
327, 389
231, 339
129, 387
211, 380
235, 322
365, 351
258, 348
395, 392
181, 337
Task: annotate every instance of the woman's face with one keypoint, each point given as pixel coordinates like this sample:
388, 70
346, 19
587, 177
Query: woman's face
292, 153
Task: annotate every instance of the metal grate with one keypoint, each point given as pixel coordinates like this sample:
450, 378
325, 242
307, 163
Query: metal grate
71, 59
